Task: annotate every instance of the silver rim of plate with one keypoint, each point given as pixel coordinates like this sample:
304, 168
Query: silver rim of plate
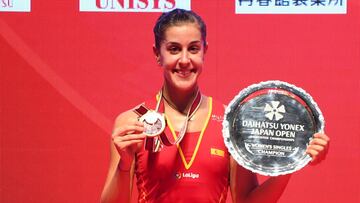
234, 149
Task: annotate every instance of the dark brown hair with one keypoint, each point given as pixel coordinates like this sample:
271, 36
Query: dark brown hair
174, 18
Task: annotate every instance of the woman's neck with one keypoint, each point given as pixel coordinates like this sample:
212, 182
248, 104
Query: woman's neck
180, 100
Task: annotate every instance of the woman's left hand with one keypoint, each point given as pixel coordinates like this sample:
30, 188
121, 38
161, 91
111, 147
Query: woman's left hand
318, 147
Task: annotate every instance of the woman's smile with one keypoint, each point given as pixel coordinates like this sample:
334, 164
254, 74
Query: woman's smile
184, 73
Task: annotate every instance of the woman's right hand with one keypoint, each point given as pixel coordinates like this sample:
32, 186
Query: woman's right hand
126, 140
128, 137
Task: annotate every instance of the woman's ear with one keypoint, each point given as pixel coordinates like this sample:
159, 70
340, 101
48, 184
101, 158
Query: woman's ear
156, 54
206, 47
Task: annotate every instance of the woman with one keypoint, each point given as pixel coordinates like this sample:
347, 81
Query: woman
198, 169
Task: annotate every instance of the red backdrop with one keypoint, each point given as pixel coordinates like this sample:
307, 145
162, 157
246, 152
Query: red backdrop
65, 75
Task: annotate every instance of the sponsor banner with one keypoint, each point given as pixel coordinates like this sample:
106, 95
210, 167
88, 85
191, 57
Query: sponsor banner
290, 6
133, 5
15, 5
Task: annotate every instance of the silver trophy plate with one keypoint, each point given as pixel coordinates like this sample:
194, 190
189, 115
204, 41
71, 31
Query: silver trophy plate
268, 126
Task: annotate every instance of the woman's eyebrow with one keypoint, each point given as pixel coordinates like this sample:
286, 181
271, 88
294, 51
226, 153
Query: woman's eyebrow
176, 43
171, 43
195, 42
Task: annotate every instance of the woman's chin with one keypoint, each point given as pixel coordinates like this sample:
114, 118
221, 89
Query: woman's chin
182, 84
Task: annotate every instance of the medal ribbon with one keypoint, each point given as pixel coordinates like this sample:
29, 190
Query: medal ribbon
153, 143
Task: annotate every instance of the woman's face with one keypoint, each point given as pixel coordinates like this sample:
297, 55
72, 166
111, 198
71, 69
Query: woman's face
181, 54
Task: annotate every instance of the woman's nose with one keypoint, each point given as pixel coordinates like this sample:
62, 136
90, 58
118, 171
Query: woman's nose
184, 59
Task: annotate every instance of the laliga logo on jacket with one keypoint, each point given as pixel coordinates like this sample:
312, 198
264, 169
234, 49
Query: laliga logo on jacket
133, 5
